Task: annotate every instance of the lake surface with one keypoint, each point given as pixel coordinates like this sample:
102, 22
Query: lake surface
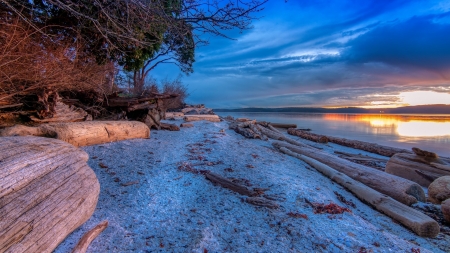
429, 132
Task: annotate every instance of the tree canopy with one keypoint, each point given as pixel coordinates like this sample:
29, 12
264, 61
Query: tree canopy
130, 32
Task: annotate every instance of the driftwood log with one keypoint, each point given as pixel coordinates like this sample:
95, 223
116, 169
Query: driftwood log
260, 201
283, 125
420, 169
308, 135
87, 238
84, 133
212, 118
366, 146
402, 190
407, 216
46, 192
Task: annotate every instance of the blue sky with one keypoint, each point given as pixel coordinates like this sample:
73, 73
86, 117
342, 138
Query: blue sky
317, 53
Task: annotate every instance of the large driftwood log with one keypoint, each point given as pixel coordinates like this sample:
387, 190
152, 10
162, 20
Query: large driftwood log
212, 118
46, 192
420, 169
86, 240
403, 190
407, 216
85, 133
366, 146
308, 135
224, 182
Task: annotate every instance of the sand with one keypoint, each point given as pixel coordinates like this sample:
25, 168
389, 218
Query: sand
154, 201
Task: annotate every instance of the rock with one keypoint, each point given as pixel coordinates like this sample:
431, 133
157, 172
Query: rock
186, 125
174, 114
439, 190
445, 207
46, 191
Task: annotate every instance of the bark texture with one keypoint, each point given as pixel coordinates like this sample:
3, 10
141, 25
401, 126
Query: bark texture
409, 217
46, 191
402, 190
420, 169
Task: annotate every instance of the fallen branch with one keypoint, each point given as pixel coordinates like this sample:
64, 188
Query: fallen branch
260, 201
409, 217
87, 238
224, 182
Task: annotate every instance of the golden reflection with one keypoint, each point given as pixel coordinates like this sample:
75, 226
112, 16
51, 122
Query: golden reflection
403, 125
423, 128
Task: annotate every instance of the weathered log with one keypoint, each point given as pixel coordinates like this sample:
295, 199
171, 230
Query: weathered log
246, 132
260, 201
282, 125
359, 156
212, 118
366, 146
46, 192
308, 136
403, 190
174, 114
85, 133
170, 127
63, 113
407, 216
439, 190
224, 182
273, 129
420, 169
279, 136
256, 130
87, 238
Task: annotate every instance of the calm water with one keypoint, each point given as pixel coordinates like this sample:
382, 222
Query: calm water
429, 132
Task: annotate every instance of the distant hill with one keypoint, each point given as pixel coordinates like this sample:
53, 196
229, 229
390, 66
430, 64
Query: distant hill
418, 109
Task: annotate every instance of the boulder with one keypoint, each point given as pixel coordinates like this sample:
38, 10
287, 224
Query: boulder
439, 190
445, 207
46, 191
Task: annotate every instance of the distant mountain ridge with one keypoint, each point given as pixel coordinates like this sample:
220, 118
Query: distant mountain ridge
418, 109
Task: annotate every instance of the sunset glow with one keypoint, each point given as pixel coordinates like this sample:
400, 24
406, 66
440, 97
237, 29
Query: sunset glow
424, 97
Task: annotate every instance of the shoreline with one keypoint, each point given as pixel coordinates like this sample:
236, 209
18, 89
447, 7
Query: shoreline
172, 209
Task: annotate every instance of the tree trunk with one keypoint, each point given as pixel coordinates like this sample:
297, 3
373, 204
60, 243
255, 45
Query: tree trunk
403, 190
366, 146
85, 133
224, 182
420, 169
46, 192
409, 217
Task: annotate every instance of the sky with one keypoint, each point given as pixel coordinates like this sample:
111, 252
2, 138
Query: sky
321, 53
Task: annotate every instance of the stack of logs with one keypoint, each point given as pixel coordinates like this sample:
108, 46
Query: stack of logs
388, 193
49, 106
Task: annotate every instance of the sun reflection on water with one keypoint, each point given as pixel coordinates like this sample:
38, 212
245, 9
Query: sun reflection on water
402, 125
